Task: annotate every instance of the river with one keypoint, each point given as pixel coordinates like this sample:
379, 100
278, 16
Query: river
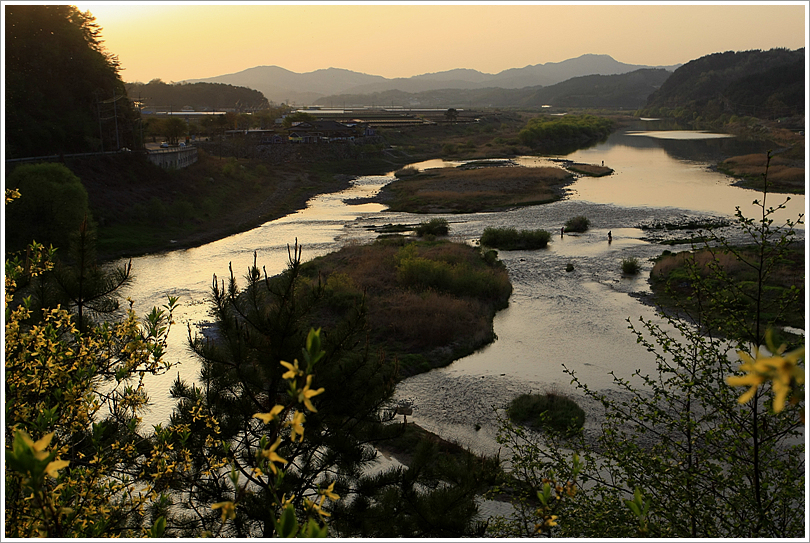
554, 317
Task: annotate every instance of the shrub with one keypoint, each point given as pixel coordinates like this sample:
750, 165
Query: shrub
550, 410
460, 278
435, 227
577, 224
511, 239
54, 206
630, 266
569, 267
406, 172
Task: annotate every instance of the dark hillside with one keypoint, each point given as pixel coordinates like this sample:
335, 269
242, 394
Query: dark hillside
779, 88
755, 83
601, 91
141, 208
63, 90
198, 96
629, 90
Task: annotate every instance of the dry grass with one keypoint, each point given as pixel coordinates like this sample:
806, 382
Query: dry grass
783, 174
484, 189
405, 318
779, 283
702, 258
591, 170
428, 320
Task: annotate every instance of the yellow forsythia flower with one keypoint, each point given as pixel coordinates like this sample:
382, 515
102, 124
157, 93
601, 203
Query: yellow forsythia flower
306, 393
293, 372
329, 492
267, 417
53, 467
228, 510
779, 368
297, 426
272, 456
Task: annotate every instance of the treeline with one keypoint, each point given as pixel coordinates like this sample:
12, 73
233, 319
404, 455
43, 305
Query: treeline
559, 134
63, 90
763, 84
199, 96
628, 90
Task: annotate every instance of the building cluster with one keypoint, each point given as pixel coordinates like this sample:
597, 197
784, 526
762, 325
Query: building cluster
322, 131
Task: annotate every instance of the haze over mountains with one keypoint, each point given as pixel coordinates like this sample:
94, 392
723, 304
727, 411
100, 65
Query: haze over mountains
281, 85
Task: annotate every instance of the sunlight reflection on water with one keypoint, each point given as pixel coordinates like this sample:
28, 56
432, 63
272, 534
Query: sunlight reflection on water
679, 134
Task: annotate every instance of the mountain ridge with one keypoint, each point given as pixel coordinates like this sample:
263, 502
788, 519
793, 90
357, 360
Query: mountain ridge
282, 85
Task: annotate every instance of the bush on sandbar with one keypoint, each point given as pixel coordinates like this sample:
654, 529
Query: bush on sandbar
579, 223
550, 410
630, 266
511, 239
407, 171
433, 227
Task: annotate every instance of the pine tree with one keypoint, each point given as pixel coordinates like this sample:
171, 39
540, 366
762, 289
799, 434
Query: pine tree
254, 347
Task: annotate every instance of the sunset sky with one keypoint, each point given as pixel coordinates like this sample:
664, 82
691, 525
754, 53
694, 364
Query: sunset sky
175, 41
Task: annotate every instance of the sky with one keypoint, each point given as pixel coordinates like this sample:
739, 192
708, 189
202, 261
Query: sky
175, 41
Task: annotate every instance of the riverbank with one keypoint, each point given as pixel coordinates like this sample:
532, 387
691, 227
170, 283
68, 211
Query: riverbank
140, 208
785, 173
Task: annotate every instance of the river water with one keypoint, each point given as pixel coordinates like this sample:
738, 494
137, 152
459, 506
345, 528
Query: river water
555, 317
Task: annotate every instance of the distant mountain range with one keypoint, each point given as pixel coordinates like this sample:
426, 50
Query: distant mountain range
626, 91
281, 85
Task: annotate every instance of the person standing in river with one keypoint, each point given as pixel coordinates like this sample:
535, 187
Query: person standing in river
562, 231
610, 236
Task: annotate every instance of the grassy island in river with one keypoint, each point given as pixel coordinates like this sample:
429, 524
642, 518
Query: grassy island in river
455, 190
427, 303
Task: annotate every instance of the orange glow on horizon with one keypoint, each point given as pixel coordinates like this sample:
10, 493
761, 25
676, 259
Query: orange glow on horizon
182, 41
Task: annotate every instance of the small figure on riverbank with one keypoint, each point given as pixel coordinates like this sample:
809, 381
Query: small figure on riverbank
562, 231
610, 236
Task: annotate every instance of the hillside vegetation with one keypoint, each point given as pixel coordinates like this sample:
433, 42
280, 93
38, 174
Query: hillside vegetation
763, 84
198, 96
629, 90
63, 91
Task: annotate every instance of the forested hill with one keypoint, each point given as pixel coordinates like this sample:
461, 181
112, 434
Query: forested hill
63, 91
765, 84
198, 96
628, 90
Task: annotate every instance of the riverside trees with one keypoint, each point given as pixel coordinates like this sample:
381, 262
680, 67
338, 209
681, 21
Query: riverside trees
556, 134
679, 445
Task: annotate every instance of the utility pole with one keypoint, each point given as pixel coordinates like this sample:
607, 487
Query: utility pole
140, 119
100, 131
115, 109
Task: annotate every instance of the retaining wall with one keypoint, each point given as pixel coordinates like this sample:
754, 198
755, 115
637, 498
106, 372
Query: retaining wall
173, 158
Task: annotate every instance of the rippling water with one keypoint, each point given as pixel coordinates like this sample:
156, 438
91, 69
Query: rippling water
555, 317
